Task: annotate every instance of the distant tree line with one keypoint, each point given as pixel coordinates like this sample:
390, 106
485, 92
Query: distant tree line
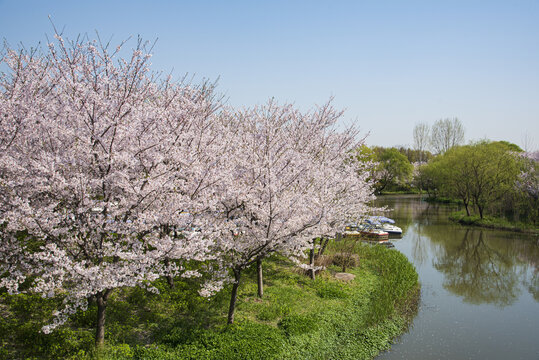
486, 176
493, 178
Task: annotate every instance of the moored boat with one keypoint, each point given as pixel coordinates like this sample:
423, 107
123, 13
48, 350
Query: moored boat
366, 231
384, 223
391, 229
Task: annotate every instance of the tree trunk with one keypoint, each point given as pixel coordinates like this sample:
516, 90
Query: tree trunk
170, 279
259, 278
233, 296
100, 327
311, 261
466, 207
480, 208
324, 242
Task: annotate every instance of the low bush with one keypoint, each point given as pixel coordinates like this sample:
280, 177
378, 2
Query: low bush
346, 260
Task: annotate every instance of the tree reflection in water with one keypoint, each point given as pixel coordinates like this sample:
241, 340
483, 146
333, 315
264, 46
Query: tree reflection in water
477, 271
480, 265
420, 251
529, 254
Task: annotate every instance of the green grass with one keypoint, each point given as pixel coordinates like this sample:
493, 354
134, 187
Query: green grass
297, 319
492, 222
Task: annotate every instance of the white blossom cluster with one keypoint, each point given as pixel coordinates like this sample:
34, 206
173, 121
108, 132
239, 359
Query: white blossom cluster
528, 180
290, 182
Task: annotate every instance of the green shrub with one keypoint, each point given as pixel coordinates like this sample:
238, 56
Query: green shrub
346, 260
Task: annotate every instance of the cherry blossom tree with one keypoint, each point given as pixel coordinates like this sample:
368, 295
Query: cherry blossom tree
292, 183
105, 171
528, 183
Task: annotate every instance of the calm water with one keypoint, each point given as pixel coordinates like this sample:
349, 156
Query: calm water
480, 288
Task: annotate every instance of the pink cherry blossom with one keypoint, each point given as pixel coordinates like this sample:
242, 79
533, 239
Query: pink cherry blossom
98, 159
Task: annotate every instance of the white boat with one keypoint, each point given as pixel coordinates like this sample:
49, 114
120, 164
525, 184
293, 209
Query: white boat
391, 229
384, 223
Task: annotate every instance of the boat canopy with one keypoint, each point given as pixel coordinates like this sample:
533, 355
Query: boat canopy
376, 220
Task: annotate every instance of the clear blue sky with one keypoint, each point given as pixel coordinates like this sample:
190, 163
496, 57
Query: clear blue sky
390, 64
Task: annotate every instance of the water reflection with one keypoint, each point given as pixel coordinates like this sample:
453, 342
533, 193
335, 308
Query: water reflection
533, 286
479, 265
475, 269
480, 287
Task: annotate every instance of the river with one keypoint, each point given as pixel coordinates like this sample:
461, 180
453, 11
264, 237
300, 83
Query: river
479, 287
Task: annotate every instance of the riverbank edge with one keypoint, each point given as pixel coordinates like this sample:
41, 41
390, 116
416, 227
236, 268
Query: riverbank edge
490, 222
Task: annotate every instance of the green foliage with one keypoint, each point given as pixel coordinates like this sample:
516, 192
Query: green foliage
242, 340
482, 175
20, 330
273, 312
397, 278
365, 154
427, 178
365, 157
492, 222
346, 259
298, 324
509, 146
415, 155
331, 289
120, 351
394, 171
297, 319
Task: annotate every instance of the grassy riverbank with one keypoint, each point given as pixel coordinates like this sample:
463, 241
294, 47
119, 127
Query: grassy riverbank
297, 319
493, 223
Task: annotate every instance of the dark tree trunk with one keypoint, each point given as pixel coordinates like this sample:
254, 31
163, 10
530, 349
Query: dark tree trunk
101, 308
466, 207
311, 260
170, 279
233, 296
480, 208
259, 278
324, 242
